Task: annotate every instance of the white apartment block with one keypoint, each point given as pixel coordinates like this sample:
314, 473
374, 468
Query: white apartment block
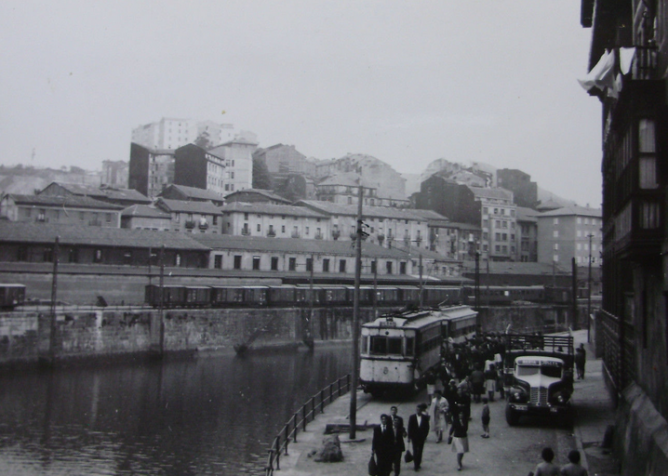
498, 223
172, 133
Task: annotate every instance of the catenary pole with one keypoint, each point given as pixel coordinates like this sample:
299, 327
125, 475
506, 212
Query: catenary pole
356, 315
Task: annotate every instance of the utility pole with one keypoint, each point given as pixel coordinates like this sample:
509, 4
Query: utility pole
54, 298
161, 293
375, 289
590, 236
356, 316
421, 286
574, 292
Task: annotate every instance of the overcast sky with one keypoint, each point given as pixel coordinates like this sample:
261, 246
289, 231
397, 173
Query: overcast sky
407, 82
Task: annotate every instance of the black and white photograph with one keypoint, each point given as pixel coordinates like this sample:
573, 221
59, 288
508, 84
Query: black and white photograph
251, 237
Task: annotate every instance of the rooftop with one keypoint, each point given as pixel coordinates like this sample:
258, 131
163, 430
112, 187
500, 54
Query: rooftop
15, 232
271, 209
196, 193
573, 211
183, 206
368, 212
144, 211
70, 201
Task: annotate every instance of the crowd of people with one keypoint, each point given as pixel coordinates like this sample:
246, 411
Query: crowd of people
470, 372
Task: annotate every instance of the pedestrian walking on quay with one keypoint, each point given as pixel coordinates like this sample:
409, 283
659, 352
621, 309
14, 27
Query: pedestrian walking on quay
573, 468
485, 418
546, 468
478, 383
580, 361
438, 410
490, 382
383, 446
464, 401
459, 434
418, 429
399, 435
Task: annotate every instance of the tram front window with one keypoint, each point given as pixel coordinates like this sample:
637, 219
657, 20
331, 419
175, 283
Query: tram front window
394, 345
378, 345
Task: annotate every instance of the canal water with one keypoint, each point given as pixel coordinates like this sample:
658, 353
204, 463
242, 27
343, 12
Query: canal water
210, 415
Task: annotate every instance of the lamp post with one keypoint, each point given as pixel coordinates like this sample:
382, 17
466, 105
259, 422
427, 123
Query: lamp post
590, 236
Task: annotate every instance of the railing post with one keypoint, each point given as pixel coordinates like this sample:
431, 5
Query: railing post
338, 382
304, 417
269, 470
348, 382
278, 452
322, 401
294, 438
313, 408
331, 393
285, 436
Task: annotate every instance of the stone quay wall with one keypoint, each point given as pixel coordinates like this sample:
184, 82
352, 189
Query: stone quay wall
95, 333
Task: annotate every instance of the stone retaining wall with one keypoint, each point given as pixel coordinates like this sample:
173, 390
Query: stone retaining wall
95, 333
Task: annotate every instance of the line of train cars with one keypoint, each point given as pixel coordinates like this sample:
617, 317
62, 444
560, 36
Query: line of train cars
176, 296
12, 295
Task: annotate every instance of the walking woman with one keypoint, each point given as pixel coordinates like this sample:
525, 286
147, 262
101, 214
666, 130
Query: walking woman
460, 440
439, 407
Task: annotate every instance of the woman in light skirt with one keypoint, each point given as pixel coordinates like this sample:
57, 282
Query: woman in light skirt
460, 440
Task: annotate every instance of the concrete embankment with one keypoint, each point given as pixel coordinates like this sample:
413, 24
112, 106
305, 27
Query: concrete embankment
121, 332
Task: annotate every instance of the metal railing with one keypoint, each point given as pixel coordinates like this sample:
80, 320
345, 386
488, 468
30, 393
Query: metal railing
306, 414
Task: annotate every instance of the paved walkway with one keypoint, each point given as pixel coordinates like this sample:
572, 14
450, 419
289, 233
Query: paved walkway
594, 413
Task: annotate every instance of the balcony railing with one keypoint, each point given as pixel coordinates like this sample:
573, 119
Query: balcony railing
271, 234
190, 224
203, 226
245, 231
295, 234
318, 236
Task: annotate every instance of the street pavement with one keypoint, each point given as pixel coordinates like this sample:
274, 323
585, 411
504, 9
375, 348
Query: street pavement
509, 450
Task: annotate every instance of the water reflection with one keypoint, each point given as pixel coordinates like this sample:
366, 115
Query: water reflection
212, 415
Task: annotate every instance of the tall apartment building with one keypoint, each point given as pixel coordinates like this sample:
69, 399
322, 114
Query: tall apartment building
628, 67
527, 234
238, 155
498, 223
199, 168
524, 190
150, 170
566, 233
172, 133
285, 159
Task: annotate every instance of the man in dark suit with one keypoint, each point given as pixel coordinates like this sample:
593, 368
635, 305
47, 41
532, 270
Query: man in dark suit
382, 445
418, 429
399, 434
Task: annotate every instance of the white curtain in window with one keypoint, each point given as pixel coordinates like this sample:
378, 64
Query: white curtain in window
646, 141
647, 174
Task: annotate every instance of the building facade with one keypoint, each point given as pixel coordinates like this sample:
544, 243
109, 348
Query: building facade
69, 210
144, 217
627, 72
191, 217
115, 173
386, 226
498, 223
274, 221
150, 170
285, 159
238, 155
198, 168
567, 233
527, 234
525, 192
